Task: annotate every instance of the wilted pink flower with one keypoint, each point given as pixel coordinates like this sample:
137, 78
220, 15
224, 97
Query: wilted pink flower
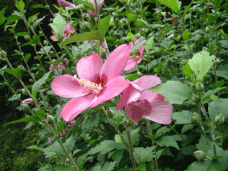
63, 132
93, 13
139, 102
27, 101
71, 124
61, 65
171, 35
131, 61
49, 139
96, 84
174, 20
63, 3
68, 30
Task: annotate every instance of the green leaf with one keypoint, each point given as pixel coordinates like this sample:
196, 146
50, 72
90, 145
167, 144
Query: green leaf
58, 24
211, 92
2, 17
131, 17
35, 147
134, 134
60, 126
172, 4
145, 154
109, 166
175, 92
187, 70
117, 156
86, 3
64, 168
39, 6
20, 5
14, 71
217, 107
15, 97
214, 165
202, 145
27, 56
187, 127
199, 165
161, 131
37, 22
12, 19
201, 64
93, 35
186, 35
21, 34
103, 26
36, 86
167, 141
35, 40
41, 113
26, 119
182, 117
132, 77
149, 44
222, 73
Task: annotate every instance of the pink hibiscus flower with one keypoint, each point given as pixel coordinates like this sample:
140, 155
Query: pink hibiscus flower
63, 3
27, 101
131, 61
97, 82
68, 30
61, 65
49, 139
93, 13
139, 102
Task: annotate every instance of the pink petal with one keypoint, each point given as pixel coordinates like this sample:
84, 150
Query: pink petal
148, 81
150, 96
135, 110
89, 67
63, 3
130, 64
53, 37
27, 101
77, 105
67, 86
115, 63
129, 94
112, 89
161, 112
100, 5
91, 13
140, 52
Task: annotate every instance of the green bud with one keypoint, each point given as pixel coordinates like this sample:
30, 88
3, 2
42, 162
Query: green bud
219, 119
45, 42
139, 73
51, 52
3, 54
193, 119
22, 68
195, 97
50, 118
25, 108
26, 37
24, 92
217, 61
102, 52
137, 35
51, 20
207, 29
40, 33
85, 26
200, 155
199, 86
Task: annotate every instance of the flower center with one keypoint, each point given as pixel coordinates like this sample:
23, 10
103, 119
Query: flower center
96, 88
137, 57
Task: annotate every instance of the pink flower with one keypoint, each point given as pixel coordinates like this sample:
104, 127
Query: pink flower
174, 20
97, 82
139, 102
63, 132
49, 139
68, 30
171, 35
71, 124
131, 61
93, 13
63, 3
61, 65
27, 101
24, 116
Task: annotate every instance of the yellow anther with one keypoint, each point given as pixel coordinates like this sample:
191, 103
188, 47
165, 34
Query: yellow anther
90, 85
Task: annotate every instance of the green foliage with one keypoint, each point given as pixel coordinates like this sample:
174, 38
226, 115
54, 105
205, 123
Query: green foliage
172, 4
58, 25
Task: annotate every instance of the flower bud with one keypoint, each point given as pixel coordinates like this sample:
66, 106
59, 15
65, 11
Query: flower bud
139, 73
195, 97
193, 119
85, 26
22, 68
51, 52
26, 37
199, 86
219, 119
40, 33
45, 42
217, 61
50, 118
25, 107
102, 53
137, 35
51, 20
24, 92
200, 155
3, 54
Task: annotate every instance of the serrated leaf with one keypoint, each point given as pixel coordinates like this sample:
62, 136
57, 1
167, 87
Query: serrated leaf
214, 165
26, 119
202, 145
187, 127
15, 97
14, 71
211, 92
175, 92
41, 113
134, 135
199, 165
37, 22
217, 107
64, 168
58, 24
201, 64
2, 17
161, 131
144, 153
167, 141
12, 19
222, 73
35, 40
187, 70
27, 56
93, 35
182, 117
172, 4
103, 26
109, 166
131, 17
20, 5
60, 126
36, 86
186, 35
149, 44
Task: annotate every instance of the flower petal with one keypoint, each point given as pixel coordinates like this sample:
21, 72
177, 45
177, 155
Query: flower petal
130, 64
147, 81
100, 5
112, 89
89, 67
161, 112
67, 86
115, 63
150, 96
77, 105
